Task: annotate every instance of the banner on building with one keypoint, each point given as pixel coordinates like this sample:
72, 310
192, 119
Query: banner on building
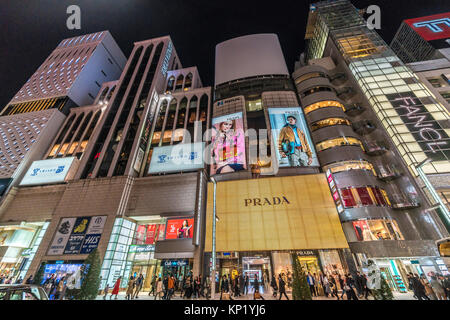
179, 157
228, 144
293, 144
77, 235
181, 228
48, 171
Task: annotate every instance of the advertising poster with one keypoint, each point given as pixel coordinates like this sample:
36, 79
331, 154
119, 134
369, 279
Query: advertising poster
228, 144
161, 232
179, 157
77, 235
62, 236
60, 270
4, 236
362, 231
140, 234
180, 228
151, 232
291, 139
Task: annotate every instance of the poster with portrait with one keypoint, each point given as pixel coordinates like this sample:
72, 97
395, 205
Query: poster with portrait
291, 139
181, 228
228, 144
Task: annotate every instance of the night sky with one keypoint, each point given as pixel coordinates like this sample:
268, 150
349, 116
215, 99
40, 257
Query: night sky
30, 32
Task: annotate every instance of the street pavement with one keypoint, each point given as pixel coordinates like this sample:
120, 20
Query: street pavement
267, 296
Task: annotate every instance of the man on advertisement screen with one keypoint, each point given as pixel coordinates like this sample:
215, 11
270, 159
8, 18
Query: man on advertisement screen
292, 144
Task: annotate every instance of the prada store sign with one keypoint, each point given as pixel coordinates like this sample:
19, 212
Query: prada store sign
278, 213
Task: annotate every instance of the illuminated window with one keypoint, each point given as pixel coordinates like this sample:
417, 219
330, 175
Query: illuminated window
315, 90
350, 165
364, 196
253, 105
357, 46
323, 104
373, 230
329, 122
342, 141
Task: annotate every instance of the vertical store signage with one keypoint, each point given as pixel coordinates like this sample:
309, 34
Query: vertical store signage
165, 64
430, 136
334, 191
77, 235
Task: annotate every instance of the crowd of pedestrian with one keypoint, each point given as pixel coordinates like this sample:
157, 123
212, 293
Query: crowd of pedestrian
437, 288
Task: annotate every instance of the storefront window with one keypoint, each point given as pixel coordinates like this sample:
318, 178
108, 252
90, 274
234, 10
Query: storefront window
364, 196
329, 122
374, 230
342, 141
350, 165
323, 104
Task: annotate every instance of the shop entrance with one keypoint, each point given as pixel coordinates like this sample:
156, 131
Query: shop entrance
309, 264
148, 271
178, 268
257, 268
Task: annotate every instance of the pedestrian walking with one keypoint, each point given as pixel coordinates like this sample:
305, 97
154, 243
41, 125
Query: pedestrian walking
153, 284
130, 289
437, 287
256, 283
333, 287
237, 291
428, 290
105, 291
282, 287
224, 289
273, 284
171, 286
366, 289
311, 283
349, 288
342, 285
159, 290
116, 288
29, 280
419, 288
246, 283
138, 286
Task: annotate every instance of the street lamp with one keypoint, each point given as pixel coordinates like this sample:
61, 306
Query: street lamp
434, 194
213, 249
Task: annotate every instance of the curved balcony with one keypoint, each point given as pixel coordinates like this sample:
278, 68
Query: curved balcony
354, 109
375, 148
401, 202
363, 127
346, 93
338, 78
388, 173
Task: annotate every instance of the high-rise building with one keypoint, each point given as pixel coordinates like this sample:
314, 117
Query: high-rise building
71, 75
267, 192
420, 39
373, 124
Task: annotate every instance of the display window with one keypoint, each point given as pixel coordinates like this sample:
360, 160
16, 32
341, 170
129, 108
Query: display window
342, 141
323, 104
364, 196
377, 229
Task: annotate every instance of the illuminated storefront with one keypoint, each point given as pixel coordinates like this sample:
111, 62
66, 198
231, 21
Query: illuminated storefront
262, 221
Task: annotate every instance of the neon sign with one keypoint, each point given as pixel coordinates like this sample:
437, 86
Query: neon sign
431, 27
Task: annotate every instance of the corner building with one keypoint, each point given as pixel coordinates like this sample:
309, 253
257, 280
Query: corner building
116, 195
270, 202
351, 84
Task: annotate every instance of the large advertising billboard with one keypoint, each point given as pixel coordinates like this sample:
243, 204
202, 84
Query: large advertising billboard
432, 27
293, 144
179, 157
77, 235
181, 228
47, 171
228, 144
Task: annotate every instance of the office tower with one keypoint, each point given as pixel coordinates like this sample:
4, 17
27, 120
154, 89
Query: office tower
420, 39
71, 75
367, 112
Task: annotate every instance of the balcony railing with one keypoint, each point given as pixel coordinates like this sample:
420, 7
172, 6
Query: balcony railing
363, 127
354, 109
375, 148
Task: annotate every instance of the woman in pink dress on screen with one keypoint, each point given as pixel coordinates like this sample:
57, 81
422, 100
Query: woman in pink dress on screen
228, 148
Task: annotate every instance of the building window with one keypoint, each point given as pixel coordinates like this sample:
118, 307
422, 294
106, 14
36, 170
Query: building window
179, 83
315, 90
188, 82
437, 82
329, 122
446, 96
364, 196
342, 141
253, 105
350, 165
323, 104
372, 230
170, 84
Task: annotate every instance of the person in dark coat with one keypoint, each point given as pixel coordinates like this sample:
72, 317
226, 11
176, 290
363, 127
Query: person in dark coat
246, 282
350, 288
359, 283
418, 288
29, 280
273, 284
282, 286
224, 286
256, 283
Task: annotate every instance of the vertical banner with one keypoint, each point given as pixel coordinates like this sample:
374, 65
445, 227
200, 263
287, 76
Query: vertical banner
151, 232
293, 144
228, 144
61, 236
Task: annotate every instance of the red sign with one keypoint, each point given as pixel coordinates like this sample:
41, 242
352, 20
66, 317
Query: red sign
161, 231
140, 234
151, 231
431, 27
179, 228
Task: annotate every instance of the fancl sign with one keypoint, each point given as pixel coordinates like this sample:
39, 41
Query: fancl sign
179, 157
165, 64
47, 171
430, 136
